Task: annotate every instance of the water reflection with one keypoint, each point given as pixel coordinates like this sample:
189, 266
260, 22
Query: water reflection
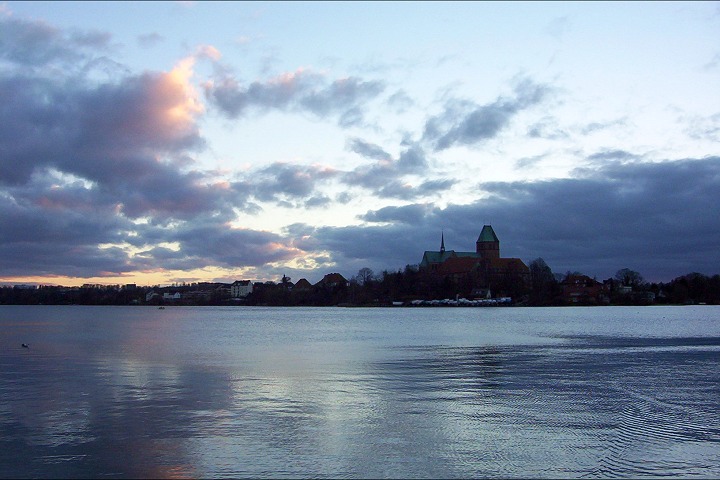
340, 402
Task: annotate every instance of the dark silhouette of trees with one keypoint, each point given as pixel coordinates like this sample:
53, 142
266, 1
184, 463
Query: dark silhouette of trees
364, 276
544, 287
691, 288
630, 278
627, 287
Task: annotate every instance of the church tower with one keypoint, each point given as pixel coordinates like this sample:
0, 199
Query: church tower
488, 245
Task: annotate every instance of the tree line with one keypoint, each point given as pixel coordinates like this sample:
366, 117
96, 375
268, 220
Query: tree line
544, 288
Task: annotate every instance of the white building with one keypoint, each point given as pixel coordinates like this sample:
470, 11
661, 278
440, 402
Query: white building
241, 288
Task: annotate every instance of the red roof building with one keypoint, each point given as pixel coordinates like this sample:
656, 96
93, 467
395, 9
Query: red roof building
484, 267
581, 290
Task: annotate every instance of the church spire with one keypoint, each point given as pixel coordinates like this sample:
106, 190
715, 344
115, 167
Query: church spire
442, 241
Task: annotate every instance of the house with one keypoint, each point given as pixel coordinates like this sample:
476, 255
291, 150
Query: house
172, 297
302, 285
241, 288
332, 280
484, 267
581, 289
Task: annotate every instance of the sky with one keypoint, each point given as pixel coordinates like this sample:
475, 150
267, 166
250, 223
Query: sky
164, 142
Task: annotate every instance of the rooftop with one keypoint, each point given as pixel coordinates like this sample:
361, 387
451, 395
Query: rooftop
487, 235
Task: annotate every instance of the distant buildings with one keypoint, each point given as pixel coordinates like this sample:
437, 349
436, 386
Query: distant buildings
332, 280
241, 288
302, 285
483, 269
581, 289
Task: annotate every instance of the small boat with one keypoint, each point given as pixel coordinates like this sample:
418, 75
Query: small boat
25, 345
161, 308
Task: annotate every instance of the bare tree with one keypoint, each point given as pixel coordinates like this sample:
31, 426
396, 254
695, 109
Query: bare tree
629, 278
364, 276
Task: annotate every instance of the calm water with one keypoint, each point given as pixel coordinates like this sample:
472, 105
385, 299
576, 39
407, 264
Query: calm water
273, 392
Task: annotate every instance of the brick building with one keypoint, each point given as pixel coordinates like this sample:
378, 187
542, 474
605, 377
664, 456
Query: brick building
484, 267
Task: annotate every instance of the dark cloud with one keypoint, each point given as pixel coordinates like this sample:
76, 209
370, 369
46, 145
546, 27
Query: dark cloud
465, 123
111, 135
368, 150
409, 214
343, 94
130, 138
404, 191
610, 156
51, 231
216, 244
354, 247
81, 160
37, 44
412, 160
283, 181
656, 218
89, 167
650, 217
384, 177
318, 201
98, 132
301, 91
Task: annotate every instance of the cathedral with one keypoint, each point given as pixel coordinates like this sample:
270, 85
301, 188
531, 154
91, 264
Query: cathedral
484, 267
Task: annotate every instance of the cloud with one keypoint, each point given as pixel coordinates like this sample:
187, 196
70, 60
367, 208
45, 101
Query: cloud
38, 44
656, 218
46, 230
129, 137
597, 126
385, 176
95, 175
704, 128
368, 150
409, 214
283, 181
547, 128
611, 156
149, 40
400, 101
405, 191
98, 176
529, 162
300, 91
713, 63
216, 244
558, 27
88, 130
466, 123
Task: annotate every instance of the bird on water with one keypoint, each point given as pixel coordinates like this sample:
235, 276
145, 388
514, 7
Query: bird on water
25, 345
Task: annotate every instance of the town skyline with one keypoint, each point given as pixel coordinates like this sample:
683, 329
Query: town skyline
167, 142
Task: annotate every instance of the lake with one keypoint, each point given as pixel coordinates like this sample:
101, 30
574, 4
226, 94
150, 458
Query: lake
139, 392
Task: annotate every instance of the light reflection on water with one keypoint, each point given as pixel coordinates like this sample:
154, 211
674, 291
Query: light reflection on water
261, 392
